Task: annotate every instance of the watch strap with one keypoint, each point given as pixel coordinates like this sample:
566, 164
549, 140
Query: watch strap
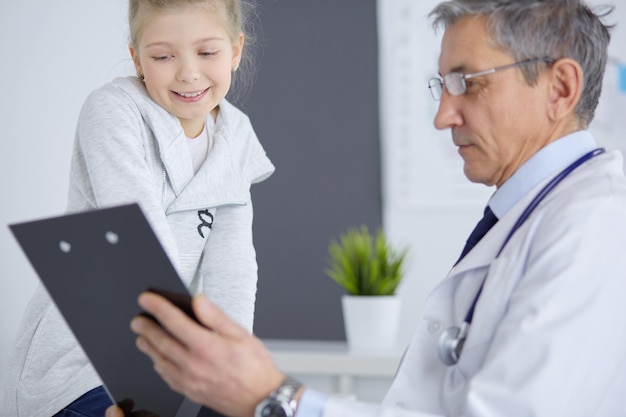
284, 395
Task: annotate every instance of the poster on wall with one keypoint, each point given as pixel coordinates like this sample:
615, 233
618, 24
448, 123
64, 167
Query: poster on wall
609, 124
421, 167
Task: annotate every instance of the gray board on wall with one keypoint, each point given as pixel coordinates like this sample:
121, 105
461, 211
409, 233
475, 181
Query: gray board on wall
314, 106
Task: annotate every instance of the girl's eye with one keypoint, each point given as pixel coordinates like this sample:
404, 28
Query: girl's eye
207, 53
161, 57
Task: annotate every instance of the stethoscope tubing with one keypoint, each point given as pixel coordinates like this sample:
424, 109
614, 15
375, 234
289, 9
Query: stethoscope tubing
520, 221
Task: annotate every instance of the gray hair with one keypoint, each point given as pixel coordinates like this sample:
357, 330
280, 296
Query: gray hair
238, 16
543, 28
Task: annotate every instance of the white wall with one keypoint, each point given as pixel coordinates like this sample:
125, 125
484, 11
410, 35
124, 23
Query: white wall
53, 54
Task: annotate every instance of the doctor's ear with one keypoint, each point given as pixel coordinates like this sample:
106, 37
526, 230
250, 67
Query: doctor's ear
566, 84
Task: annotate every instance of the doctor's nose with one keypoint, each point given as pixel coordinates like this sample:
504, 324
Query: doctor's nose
448, 114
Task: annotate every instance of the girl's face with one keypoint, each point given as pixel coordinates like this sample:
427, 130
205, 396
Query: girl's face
187, 58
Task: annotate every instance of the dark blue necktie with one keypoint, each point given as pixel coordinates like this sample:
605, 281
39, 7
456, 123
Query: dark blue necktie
483, 226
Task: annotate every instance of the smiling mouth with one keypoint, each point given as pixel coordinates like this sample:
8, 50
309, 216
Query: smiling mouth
191, 95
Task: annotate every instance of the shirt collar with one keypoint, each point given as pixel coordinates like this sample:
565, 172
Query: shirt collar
542, 165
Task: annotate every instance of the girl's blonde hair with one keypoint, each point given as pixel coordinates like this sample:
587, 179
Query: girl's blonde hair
237, 16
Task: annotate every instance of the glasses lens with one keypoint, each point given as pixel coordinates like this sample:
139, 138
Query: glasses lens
455, 83
436, 88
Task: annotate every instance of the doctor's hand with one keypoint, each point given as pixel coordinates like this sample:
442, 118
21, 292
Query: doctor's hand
221, 366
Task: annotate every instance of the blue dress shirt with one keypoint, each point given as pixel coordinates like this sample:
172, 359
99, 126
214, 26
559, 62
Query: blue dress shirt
547, 162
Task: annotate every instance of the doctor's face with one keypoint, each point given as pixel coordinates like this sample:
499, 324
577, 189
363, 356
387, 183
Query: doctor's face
500, 122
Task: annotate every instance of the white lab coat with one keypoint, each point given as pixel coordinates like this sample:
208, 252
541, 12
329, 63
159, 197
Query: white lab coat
548, 336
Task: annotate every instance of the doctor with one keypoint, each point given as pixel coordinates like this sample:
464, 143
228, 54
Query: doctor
529, 322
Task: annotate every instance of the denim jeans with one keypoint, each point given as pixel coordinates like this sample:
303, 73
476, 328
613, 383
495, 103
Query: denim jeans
95, 402
91, 404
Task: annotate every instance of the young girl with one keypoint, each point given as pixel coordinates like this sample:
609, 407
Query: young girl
169, 140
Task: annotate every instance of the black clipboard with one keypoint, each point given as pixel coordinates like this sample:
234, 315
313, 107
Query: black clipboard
94, 265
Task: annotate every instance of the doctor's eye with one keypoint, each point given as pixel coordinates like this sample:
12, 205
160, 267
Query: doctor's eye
470, 83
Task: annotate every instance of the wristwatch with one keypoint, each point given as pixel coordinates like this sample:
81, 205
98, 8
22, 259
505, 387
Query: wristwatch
281, 402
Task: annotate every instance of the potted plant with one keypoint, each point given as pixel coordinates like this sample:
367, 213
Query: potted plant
369, 270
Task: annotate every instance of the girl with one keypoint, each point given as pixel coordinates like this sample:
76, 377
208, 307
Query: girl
169, 140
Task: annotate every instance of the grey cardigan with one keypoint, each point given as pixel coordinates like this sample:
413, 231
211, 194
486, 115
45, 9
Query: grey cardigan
129, 149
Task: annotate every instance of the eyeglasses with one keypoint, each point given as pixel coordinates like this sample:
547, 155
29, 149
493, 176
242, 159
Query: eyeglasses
455, 81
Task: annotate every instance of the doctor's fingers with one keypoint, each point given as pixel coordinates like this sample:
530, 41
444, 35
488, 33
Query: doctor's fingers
182, 339
216, 325
215, 319
173, 320
169, 371
184, 370
155, 342
230, 375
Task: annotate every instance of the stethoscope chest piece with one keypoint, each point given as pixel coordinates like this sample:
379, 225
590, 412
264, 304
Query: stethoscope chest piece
451, 343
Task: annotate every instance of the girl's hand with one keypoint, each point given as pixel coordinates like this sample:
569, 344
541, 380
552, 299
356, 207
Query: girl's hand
114, 411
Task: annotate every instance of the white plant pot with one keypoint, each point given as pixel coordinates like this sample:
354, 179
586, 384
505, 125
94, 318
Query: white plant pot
371, 322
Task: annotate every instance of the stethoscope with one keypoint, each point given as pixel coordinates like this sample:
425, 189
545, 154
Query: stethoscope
452, 339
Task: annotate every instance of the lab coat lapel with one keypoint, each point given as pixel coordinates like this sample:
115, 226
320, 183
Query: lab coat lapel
481, 266
487, 249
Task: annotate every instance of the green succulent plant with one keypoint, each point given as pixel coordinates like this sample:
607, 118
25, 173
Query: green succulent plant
365, 265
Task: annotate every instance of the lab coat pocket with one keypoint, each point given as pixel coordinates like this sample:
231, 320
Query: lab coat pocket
491, 307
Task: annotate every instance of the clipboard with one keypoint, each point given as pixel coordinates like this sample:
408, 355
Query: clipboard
94, 265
